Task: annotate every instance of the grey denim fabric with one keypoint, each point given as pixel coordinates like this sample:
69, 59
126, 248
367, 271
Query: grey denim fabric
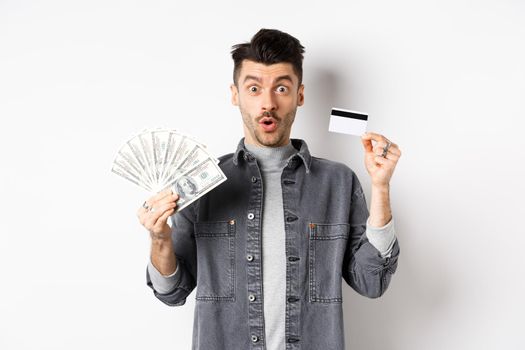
217, 241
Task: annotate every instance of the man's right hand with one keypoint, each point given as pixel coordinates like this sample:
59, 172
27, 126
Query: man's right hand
155, 218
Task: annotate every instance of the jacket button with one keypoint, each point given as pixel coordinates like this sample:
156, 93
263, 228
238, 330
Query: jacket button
291, 218
250, 216
293, 258
254, 179
255, 339
292, 340
292, 299
251, 297
249, 257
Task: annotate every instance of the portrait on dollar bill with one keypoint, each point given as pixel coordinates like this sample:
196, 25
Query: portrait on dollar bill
185, 187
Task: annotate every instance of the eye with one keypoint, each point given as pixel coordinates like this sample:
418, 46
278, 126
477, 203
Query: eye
252, 88
282, 88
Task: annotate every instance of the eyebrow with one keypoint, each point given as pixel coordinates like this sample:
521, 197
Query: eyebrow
259, 80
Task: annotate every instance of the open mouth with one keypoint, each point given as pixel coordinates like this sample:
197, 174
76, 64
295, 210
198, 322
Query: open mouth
268, 124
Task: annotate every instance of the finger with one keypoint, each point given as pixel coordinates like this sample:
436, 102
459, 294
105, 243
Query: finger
150, 217
159, 200
392, 156
150, 220
383, 144
367, 144
171, 198
383, 161
164, 217
159, 211
373, 136
141, 212
389, 162
160, 207
379, 147
147, 217
377, 150
166, 191
158, 196
392, 145
145, 207
381, 140
395, 151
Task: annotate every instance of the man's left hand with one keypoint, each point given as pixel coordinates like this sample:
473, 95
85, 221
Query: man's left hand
380, 164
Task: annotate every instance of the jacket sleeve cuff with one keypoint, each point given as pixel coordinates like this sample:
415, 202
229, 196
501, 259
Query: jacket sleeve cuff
382, 238
163, 284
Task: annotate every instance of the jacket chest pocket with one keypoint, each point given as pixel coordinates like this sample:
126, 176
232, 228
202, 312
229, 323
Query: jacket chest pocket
327, 245
215, 260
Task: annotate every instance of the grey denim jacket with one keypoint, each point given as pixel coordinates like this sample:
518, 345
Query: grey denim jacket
217, 241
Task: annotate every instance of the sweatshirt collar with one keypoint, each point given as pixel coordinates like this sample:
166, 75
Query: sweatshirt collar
303, 153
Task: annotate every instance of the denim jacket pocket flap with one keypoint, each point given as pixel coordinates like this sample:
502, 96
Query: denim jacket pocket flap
329, 231
214, 229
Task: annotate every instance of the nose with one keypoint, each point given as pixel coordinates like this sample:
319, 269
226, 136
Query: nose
269, 102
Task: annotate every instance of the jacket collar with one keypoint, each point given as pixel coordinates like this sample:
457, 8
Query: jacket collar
303, 153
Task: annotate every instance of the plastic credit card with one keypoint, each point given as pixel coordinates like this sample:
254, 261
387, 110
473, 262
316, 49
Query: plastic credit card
348, 122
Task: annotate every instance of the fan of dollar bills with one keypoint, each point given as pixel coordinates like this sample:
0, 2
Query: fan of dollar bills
161, 158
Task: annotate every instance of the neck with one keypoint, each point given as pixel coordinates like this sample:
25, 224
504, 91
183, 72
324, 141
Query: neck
271, 158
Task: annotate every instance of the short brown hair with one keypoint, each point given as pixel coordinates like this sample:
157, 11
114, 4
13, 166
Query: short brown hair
269, 46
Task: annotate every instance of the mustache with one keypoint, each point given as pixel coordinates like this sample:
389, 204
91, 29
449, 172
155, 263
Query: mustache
267, 114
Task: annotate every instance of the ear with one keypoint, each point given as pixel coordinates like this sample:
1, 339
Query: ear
235, 95
300, 95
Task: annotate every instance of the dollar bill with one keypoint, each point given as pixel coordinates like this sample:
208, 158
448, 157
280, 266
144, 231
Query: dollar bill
195, 157
197, 181
128, 176
135, 146
173, 154
161, 142
126, 156
128, 166
184, 148
146, 142
162, 158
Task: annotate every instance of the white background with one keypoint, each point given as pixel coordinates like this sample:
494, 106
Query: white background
443, 79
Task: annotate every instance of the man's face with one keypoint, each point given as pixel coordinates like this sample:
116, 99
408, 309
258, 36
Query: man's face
186, 186
267, 97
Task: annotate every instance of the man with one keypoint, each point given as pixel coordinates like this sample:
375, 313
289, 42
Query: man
267, 250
